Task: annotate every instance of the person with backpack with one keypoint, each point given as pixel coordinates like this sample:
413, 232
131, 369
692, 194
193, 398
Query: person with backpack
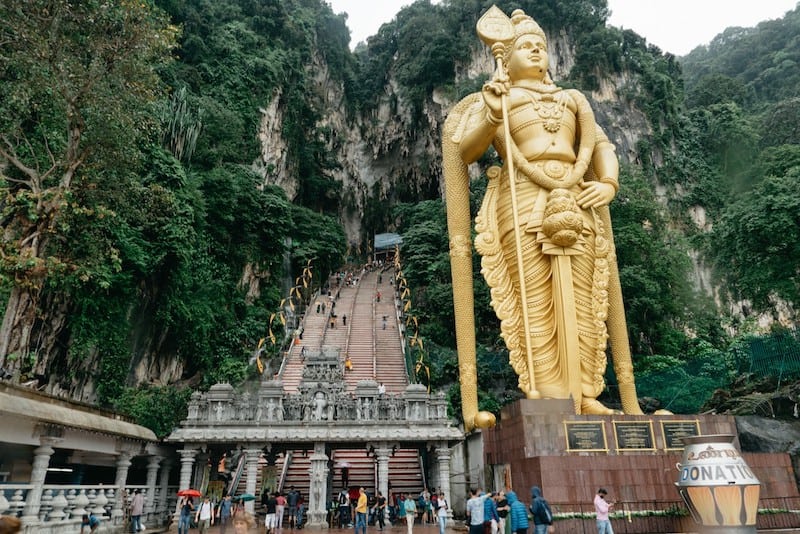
344, 509
541, 512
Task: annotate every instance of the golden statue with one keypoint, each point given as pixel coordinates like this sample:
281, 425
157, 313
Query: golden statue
545, 214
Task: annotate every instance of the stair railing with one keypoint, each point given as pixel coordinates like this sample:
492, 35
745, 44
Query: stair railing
374, 334
237, 475
287, 461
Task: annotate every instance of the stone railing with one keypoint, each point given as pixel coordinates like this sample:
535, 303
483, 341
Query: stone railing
62, 506
322, 398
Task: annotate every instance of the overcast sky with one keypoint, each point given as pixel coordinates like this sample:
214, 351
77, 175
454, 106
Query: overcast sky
675, 26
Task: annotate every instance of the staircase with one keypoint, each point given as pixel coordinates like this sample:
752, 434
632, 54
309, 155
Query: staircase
361, 470
389, 358
297, 474
405, 472
314, 325
360, 344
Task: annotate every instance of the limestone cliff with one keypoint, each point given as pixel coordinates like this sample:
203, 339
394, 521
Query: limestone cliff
387, 152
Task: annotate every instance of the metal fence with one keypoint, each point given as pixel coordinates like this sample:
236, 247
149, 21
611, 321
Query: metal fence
651, 517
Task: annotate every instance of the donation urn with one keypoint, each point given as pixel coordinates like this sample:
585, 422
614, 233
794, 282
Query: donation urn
718, 487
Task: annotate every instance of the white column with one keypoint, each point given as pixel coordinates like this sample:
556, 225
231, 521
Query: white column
251, 468
41, 460
152, 475
318, 487
187, 463
382, 453
166, 467
123, 464
443, 459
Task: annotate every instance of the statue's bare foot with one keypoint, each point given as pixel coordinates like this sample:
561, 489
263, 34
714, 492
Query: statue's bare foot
595, 407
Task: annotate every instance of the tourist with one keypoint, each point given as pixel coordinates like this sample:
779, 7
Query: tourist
410, 508
490, 517
502, 512
361, 512
344, 320
541, 512
9, 524
244, 523
380, 510
601, 508
441, 512
301, 508
89, 523
271, 520
204, 517
224, 513
137, 509
279, 508
291, 501
475, 511
184, 520
348, 363
344, 503
518, 516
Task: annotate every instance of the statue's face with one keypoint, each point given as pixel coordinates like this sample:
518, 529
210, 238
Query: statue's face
528, 58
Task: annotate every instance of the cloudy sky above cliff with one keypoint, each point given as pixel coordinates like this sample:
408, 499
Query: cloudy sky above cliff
675, 26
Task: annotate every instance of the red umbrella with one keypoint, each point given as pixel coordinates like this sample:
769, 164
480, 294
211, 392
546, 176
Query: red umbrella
189, 493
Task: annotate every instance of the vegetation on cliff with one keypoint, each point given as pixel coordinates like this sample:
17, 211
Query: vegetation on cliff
142, 254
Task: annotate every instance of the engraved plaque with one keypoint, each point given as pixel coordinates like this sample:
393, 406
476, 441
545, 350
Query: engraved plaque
634, 435
674, 431
586, 436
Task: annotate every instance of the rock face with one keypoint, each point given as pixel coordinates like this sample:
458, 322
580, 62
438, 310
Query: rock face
762, 434
390, 150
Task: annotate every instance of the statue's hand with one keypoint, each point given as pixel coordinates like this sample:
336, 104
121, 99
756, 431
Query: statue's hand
493, 92
595, 194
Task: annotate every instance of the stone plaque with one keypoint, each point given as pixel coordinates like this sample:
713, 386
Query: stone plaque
634, 435
675, 431
586, 436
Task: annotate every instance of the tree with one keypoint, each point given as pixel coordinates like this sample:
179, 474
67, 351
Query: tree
758, 241
77, 81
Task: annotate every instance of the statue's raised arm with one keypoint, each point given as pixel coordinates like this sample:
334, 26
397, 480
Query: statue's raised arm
544, 232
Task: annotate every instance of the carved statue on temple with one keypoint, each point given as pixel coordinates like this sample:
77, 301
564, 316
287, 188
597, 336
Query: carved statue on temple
543, 230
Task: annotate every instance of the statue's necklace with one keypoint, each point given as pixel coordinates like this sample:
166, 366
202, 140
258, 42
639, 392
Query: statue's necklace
550, 107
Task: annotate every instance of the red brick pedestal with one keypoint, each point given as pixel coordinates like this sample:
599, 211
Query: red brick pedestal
529, 446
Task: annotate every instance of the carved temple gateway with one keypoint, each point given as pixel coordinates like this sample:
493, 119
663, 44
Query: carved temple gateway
321, 438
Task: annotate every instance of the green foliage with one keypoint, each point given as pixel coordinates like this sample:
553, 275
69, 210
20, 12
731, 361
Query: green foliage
758, 240
764, 59
653, 264
159, 408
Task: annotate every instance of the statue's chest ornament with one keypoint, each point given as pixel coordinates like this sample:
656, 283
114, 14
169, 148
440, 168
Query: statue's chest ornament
550, 108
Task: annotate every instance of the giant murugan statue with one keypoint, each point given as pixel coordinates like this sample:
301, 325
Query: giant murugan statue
543, 230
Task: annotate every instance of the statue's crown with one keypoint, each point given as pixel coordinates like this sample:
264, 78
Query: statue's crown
525, 25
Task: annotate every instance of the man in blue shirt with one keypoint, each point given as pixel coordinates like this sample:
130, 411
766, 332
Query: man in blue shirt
89, 521
224, 513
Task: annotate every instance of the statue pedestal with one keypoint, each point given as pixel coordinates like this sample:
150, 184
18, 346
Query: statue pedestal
543, 443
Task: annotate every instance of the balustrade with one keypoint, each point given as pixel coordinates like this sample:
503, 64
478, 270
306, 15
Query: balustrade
66, 504
321, 398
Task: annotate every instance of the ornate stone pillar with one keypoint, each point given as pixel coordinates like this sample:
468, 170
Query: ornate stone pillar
166, 467
443, 459
187, 465
382, 453
152, 474
41, 460
318, 487
251, 468
123, 464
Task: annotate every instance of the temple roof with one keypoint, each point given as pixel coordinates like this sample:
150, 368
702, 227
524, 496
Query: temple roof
32, 405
